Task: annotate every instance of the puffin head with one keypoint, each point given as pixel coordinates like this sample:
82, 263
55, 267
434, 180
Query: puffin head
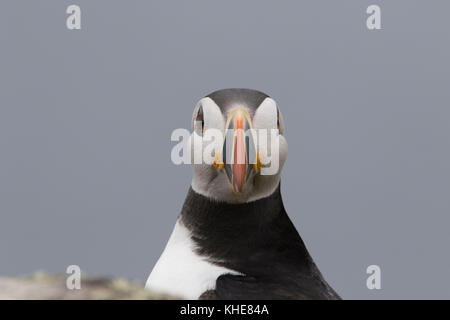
246, 161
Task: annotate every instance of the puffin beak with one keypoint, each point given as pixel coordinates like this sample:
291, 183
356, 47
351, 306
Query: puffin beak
241, 145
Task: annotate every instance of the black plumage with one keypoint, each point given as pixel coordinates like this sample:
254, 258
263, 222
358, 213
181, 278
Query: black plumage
258, 240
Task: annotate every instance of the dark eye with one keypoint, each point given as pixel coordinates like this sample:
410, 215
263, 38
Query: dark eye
278, 119
280, 124
199, 121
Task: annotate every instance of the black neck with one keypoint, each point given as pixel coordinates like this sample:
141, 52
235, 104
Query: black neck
200, 210
244, 236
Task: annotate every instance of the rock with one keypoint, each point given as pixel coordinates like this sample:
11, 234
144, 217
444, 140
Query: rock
41, 285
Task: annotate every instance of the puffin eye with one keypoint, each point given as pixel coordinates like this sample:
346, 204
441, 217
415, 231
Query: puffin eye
280, 126
278, 119
199, 124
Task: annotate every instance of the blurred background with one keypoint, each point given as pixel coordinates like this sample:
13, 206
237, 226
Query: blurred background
86, 117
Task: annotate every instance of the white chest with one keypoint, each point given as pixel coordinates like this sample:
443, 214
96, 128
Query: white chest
180, 271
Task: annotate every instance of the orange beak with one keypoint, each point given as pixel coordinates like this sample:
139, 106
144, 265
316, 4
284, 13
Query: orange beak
239, 145
240, 159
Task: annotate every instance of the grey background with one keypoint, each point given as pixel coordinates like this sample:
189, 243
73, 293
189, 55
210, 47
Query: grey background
86, 118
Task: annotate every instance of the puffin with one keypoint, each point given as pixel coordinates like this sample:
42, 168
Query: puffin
233, 239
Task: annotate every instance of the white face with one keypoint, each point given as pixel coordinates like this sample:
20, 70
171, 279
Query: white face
240, 182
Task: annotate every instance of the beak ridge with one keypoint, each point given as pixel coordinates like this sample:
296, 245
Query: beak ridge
238, 142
